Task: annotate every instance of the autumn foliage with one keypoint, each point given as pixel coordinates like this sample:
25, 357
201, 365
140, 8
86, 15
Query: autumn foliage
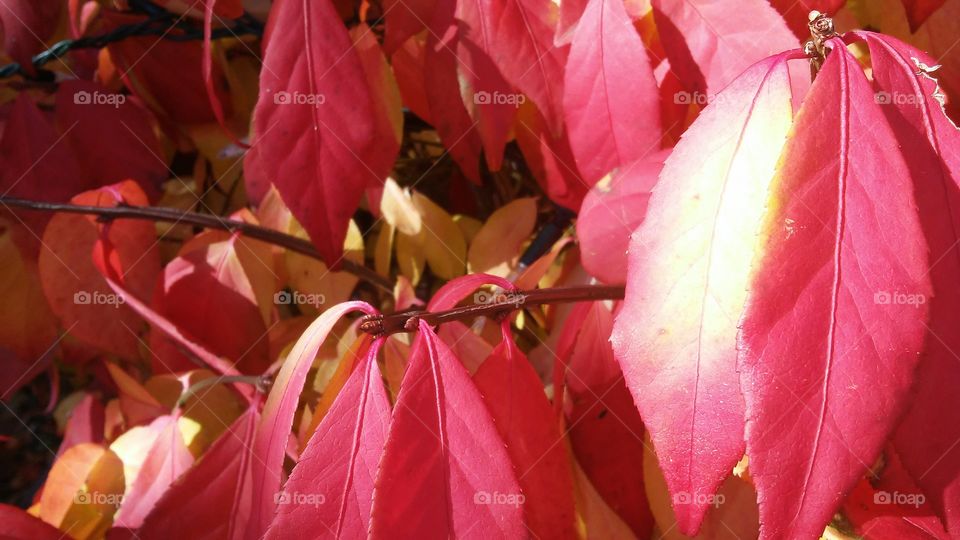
480, 269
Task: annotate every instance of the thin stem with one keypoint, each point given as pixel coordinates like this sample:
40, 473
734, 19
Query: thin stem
260, 383
406, 321
173, 215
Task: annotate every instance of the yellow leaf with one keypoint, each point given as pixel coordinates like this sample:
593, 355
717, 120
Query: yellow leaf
440, 239
410, 257
83, 490
317, 286
468, 226
496, 248
398, 209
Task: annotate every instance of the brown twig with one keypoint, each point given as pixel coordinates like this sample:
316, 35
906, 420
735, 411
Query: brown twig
503, 303
173, 215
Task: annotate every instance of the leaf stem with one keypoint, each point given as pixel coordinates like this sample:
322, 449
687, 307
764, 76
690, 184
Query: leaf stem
502, 304
175, 216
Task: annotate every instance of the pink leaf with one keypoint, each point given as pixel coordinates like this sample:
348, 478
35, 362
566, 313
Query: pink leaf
445, 472
514, 395
826, 360
316, 125
611, 211
273, 431
688, 269
165, 461
85, 424
211, 500
708, 44
926, 438
330, 491
611, 103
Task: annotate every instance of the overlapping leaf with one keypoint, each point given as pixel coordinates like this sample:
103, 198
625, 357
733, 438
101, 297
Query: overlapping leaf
688, 269
835, 317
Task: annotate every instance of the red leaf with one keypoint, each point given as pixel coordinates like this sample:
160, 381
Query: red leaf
273, 432
826, 361
97, 123
74, 287
17, 524
610, 213
207, 293
37, 164
404, 19
316, 125
514, 395
796, 12
611, 103
330, 491
210, 501
441, 83
605, 429
918, 11
525, 53
445, 471
146, 63
550, 158
688, 268
708, 44
26, 25
926, 438
492, 109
